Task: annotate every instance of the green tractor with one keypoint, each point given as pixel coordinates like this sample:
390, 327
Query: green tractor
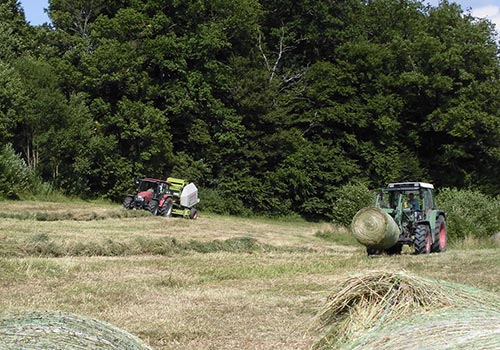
404, 214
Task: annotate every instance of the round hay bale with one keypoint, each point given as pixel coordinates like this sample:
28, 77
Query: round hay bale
37, 330
374, 228
373, 300
452, 329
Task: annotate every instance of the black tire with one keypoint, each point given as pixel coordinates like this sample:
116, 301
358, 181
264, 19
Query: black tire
166, 208
127, 203
423, 239
153, 206
373, 251
193, 214
441, 238
395, 249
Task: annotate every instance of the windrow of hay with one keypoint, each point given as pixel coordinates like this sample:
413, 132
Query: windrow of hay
38, 330
373, 300
41, 245
76, 215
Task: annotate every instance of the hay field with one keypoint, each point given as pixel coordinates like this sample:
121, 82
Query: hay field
214, 283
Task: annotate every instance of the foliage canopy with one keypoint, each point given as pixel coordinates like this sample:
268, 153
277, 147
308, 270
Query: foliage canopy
272, 106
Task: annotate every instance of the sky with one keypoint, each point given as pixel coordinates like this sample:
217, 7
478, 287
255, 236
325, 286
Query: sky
33, 10
490, 9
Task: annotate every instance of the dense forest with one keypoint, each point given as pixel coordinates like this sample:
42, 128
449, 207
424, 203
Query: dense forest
268, 106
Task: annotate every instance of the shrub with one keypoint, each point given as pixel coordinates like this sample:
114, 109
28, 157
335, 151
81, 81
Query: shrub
18, 180
469, 213
15, 174
218, 202
348, 200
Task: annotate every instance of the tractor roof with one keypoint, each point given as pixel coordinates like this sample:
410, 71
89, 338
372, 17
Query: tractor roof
409, 186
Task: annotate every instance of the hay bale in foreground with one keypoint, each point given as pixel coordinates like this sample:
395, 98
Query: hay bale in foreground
374, 228
370, 302
57, 331
451, 329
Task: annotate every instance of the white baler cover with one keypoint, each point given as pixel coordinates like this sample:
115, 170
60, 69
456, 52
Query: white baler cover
189, 196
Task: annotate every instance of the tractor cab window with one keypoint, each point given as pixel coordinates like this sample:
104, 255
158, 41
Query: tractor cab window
392, 199
382, 200
387, 200
427, 199
412, 201
147, 186
161, 188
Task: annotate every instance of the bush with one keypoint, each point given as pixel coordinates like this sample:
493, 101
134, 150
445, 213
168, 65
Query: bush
215, 201
348, 200
15, 175
19, 181
469, 213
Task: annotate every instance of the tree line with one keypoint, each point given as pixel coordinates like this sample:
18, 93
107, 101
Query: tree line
268, 106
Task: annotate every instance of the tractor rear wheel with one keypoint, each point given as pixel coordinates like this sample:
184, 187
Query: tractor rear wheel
166, 208
127, 203
153, 206
423, 239
439, 244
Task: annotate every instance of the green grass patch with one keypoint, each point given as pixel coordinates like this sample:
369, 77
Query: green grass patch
337, 237
471, 242
251, 268
20, 270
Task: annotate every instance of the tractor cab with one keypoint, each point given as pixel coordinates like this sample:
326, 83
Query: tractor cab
406, 197
154, 186
410, 204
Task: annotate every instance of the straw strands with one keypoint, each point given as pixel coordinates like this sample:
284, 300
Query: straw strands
452, 329
374, 307
57, 331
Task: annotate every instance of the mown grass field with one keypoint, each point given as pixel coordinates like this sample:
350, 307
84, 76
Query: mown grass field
214, 283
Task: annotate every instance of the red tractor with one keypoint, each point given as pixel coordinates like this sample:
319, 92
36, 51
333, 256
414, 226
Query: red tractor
152, 195
166, 198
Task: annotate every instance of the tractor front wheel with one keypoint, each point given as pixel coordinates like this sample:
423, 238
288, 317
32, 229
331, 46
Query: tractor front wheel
395, 249
166, 208
153, 206
127, 203
439, 244
423, 239
373, 251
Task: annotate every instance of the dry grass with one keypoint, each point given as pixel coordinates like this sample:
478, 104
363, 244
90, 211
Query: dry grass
471, 329
250, 299
372, 300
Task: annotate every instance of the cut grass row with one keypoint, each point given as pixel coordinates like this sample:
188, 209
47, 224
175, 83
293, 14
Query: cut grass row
41, 245
229, 283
